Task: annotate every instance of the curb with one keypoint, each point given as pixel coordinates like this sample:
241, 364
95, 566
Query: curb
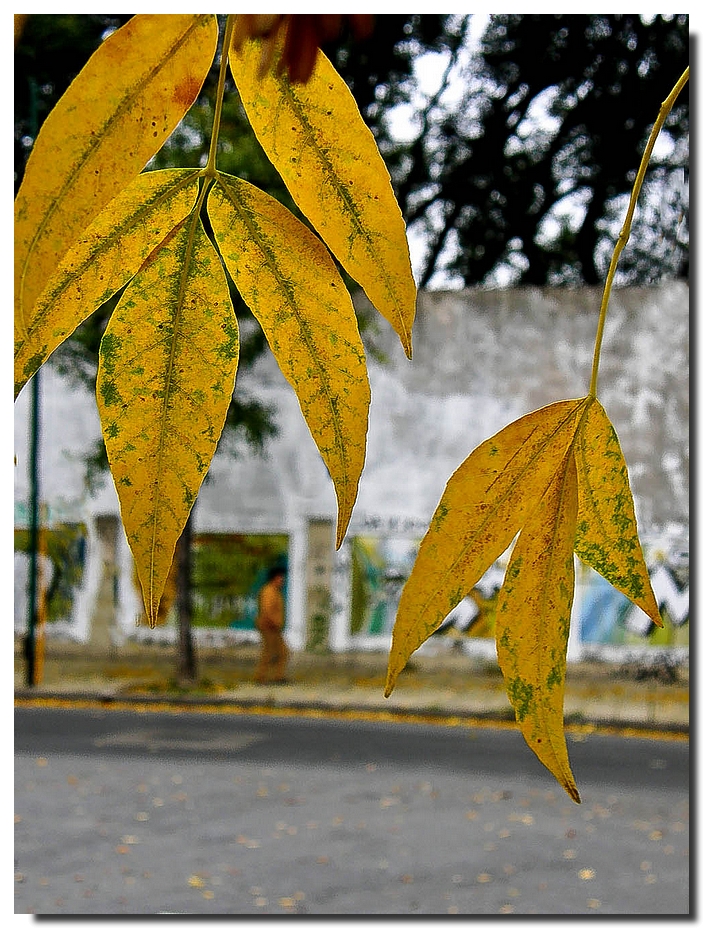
503, 717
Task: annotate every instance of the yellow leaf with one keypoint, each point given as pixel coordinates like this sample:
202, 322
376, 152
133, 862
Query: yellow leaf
317, 141
485, 504
290, 283
113, 118
167, 367
606, 532
533, 614
103, 259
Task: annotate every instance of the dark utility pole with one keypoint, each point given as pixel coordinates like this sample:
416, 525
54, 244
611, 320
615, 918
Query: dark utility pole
33, 591
187, 672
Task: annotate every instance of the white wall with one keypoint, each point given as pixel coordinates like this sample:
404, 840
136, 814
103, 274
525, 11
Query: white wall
481, 359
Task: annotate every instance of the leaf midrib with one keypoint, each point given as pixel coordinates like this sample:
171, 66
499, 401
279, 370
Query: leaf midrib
328, 169
262, 241
108, 242
567, 776
193, 219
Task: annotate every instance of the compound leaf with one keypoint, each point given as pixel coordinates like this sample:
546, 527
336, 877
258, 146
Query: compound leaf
113, 118
168, 361
318, 142
558, 477
103, 260
290, 283
485, 504
533, 614
606, 531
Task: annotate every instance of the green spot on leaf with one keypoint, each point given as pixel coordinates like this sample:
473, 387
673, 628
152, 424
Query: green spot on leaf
109, 393
521, 696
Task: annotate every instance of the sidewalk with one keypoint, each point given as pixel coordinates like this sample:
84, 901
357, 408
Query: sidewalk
446, 686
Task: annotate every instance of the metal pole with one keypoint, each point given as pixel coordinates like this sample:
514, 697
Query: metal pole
30, 641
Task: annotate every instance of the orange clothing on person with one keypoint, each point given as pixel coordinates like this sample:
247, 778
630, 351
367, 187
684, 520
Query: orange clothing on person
269, 622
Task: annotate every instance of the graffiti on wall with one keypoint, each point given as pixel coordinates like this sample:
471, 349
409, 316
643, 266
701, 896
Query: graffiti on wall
475, 615
61, 567
228, 572
607, 617
381, 564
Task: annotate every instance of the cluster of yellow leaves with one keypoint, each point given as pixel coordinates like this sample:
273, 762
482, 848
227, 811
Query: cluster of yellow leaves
88, 223
557, 476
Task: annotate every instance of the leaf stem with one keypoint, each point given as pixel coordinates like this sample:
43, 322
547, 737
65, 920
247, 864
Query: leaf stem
624, 235
210, 169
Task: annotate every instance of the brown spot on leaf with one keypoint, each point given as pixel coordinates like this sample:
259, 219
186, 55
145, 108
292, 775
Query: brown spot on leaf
186, 91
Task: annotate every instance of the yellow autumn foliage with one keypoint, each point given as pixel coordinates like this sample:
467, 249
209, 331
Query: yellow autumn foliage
327, 157
103, 259
290, 282
606, 530
113, 118
533, 614
557, 477
484, 505
163, 390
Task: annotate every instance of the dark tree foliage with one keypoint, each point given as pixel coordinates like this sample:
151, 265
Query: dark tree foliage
518, 172
529, 170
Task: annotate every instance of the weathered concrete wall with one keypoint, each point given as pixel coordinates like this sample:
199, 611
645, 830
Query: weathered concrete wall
481, 359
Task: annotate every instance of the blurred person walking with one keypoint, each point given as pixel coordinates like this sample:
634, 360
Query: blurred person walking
269, 623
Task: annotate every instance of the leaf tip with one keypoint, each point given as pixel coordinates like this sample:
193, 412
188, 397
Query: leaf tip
655, 616
391, 676
342, 525
152, 613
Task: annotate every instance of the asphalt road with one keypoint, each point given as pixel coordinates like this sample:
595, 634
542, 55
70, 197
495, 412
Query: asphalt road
139, 813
